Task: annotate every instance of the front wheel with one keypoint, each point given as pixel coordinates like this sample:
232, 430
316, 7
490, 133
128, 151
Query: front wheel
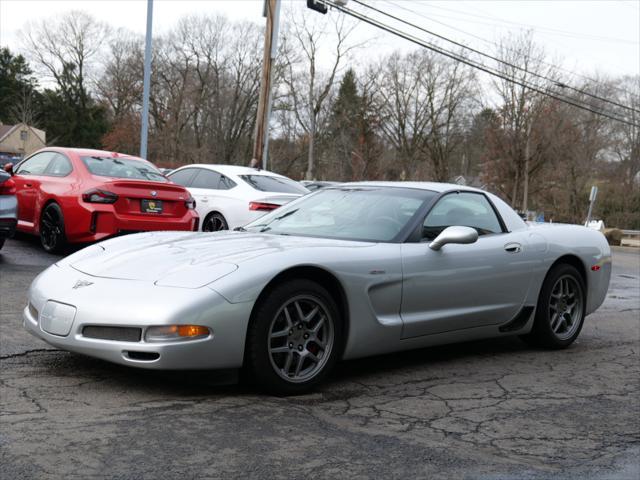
52, 236
294, 338
561, 309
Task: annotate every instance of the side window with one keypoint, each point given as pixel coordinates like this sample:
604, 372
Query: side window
226, 183
206, 179
59, 166
183, 177
463, 209
35, 165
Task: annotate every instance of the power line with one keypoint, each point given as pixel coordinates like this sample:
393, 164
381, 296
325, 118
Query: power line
471, 63
556, 82
489, 42
495, 21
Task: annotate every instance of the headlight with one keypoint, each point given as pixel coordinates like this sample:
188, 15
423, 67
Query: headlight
169, 333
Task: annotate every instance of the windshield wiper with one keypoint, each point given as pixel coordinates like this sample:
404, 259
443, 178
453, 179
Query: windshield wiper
266, 225
284, 215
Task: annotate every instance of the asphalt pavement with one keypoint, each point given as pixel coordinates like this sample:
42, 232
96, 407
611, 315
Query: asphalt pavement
484, 410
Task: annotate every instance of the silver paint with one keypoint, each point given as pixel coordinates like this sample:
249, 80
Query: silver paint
399, 295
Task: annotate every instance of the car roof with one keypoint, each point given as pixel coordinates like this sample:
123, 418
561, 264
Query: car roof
231, 169
433, 186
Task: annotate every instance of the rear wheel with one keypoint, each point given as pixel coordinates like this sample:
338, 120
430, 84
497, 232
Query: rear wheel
294, 338
52, 236
214, 222
561, 309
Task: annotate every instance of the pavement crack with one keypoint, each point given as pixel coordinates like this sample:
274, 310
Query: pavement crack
28, 352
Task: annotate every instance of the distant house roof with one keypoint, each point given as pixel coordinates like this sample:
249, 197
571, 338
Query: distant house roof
6, 130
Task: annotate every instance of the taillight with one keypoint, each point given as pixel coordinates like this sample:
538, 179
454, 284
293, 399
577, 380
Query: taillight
99, 196
190, 203
263, 206
8, 187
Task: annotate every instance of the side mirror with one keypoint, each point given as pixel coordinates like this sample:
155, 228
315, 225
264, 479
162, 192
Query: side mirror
454, 235
8, 167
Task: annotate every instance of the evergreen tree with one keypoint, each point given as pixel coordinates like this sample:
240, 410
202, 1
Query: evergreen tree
345, 125
16, 84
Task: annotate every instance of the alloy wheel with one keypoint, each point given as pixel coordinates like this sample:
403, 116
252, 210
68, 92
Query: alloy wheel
565, 307
50, 229
301, 338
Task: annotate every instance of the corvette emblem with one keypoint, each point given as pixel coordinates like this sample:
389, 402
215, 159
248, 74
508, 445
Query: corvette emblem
82, 283
154, 193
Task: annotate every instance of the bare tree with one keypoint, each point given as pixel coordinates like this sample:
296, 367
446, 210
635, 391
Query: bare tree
308, 87
519, 105
401, 99
426, 102
65, 49
120, 85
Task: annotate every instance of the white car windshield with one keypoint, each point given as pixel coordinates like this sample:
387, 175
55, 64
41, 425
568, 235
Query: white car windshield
357, 213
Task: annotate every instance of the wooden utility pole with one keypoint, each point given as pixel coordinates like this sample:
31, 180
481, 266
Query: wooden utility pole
261, 138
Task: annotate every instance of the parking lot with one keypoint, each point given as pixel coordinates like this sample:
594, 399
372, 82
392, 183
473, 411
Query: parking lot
492, 409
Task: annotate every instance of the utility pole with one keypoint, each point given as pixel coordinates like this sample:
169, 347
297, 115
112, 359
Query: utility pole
527, 154
261, 139
144, 128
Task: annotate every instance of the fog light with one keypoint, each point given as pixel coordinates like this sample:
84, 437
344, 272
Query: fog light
175, 332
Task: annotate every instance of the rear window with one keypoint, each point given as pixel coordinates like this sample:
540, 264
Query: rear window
123, 167
267, 183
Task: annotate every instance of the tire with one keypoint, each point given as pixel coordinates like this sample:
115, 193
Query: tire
52, 234
1, 243
214, 222
294, 338
562, 291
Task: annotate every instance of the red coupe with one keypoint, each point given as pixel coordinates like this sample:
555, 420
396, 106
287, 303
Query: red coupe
70, 195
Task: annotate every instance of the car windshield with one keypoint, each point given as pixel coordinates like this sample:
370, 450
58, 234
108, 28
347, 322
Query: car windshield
123, 167
357, 213
271, 183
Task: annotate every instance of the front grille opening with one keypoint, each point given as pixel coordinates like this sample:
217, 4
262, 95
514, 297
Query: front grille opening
33, 311
118, 334
143, 356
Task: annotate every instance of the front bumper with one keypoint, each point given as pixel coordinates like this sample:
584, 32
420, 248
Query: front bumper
127, 303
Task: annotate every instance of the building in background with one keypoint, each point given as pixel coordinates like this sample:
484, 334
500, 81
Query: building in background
18, 141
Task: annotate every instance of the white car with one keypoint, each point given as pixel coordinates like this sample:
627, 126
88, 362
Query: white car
229, 196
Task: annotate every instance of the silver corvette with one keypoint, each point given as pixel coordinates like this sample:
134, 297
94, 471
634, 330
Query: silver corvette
349, 271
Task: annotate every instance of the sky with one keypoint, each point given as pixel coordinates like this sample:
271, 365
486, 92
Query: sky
584, 37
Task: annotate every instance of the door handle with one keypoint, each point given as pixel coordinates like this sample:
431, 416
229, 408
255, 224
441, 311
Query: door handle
513, 247
28, 185
204, 199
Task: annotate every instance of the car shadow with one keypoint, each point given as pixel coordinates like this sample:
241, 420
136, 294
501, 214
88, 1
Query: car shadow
206, 383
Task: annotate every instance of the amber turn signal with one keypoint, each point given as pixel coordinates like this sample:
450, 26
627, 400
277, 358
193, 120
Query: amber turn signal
175, 332
192, 330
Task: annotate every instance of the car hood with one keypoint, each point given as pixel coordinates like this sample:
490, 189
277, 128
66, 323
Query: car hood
188, 260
